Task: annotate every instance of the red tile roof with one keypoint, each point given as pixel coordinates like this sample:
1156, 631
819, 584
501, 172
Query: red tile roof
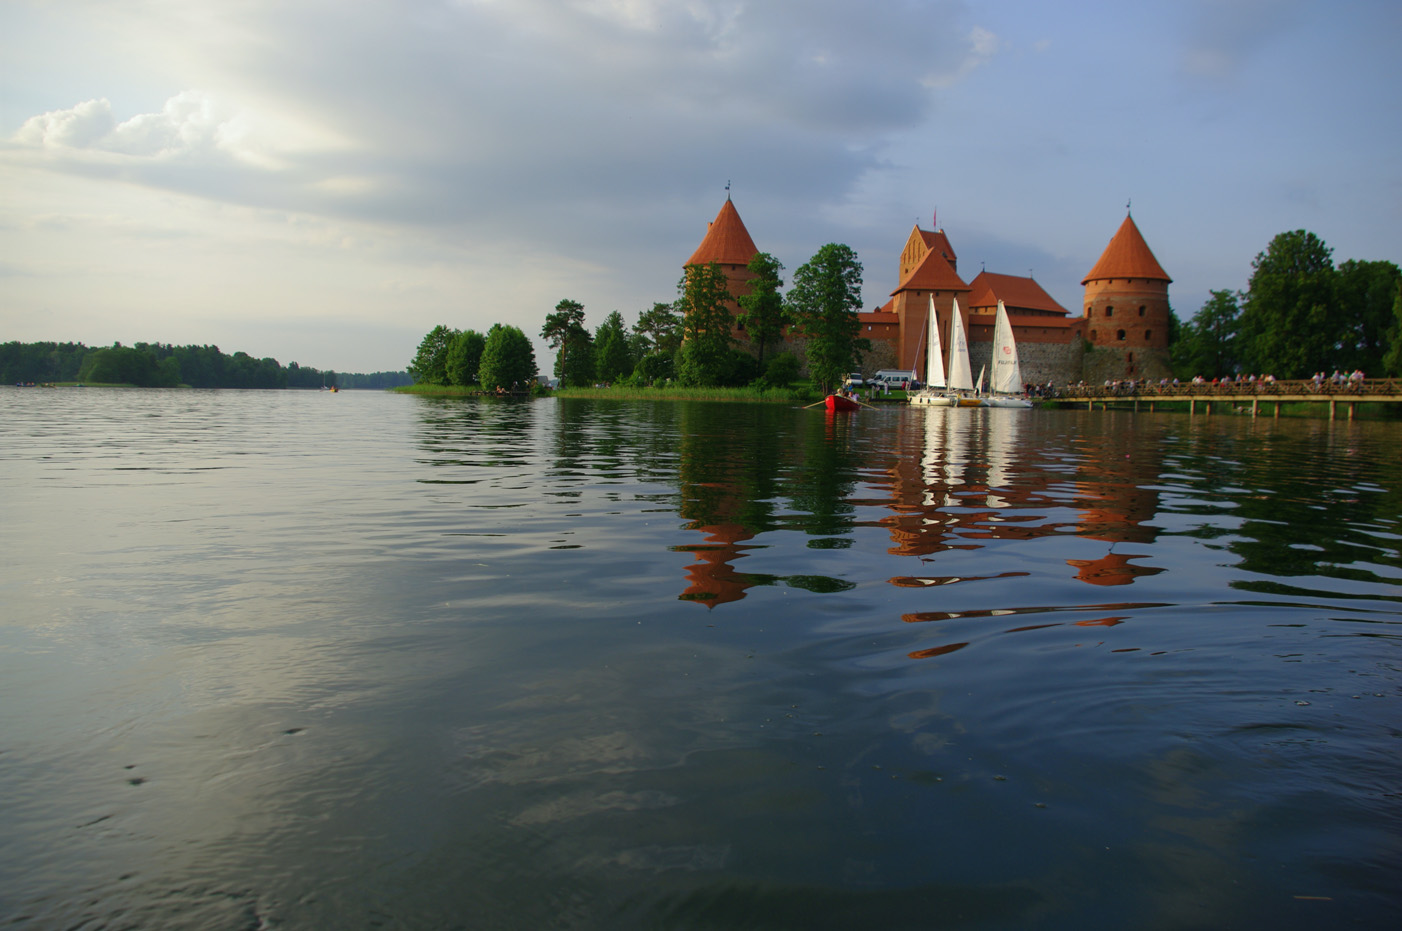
937, 241
933, 273
727, 241
988, 288
1127, 256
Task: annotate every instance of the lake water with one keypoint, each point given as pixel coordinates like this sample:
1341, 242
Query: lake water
311, 660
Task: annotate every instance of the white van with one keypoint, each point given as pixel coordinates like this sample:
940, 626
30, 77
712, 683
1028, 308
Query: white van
892, 378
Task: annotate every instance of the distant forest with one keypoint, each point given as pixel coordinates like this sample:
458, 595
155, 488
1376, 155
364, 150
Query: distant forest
158, 365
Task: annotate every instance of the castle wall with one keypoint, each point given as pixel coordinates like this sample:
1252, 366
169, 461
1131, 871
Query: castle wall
1041, 362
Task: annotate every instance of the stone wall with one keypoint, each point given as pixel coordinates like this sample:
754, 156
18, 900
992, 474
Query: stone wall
1109, 363
1057, 363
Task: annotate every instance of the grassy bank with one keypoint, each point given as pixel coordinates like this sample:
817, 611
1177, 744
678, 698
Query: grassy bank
673, 393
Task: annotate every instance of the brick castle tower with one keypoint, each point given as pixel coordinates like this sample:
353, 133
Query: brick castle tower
1126, 309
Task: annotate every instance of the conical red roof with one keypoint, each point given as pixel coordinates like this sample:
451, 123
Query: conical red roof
1127, 256
727, 241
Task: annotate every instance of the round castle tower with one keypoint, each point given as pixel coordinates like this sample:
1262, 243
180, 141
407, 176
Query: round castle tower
1126, 310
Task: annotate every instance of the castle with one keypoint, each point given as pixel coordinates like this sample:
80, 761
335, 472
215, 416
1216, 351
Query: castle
1122, 333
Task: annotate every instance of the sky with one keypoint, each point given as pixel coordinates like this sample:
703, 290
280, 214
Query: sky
324, 181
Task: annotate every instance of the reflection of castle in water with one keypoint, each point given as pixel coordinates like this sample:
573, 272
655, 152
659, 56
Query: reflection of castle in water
955, 480
969, 487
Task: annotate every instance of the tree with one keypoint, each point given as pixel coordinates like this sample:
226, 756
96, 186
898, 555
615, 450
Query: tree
613, 358
762, 310
661, 327
508, 359
823, 305
1366, 292
1392, 359
564, 330
1290, 323
464, 356
703, 293
430, 364
1207, 345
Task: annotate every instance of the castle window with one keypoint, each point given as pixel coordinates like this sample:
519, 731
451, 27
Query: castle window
1141, 310
1109, 311
1120, 335
1148, 334
1130, 358
1092, 335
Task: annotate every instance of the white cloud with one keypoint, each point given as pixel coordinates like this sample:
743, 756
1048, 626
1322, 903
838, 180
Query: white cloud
77, 127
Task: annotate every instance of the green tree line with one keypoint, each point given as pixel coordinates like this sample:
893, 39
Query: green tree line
691, 340
1299, 315
161, 365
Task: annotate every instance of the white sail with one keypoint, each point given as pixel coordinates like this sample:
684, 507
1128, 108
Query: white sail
1007, 373
934, 364
961, 374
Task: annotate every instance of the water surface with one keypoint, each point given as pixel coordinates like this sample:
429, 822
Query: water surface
311, 660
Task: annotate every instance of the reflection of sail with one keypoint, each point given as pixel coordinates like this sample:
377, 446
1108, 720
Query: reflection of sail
1001, 434
934, 461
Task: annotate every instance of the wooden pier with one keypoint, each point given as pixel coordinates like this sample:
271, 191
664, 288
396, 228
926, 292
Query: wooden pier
1236, 395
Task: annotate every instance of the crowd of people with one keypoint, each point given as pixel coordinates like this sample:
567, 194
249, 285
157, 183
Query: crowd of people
1248, 383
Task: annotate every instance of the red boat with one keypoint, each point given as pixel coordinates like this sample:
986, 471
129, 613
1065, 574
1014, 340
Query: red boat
840, 402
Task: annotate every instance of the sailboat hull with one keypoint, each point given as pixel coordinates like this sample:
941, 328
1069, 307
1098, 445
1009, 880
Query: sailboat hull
1018, 403
933, 400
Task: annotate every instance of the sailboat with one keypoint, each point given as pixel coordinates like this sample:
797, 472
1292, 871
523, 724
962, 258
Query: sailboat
1007, 373
935, 392
961, 374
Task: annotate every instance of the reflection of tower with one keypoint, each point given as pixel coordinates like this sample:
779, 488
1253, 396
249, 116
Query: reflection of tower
1111, 569
720, 499
1115, 505
1126, 305
713, 580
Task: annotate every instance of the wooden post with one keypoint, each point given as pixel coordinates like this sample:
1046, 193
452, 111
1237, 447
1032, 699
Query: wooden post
1253, 401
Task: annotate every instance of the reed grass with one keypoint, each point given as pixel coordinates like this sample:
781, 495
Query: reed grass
675, 393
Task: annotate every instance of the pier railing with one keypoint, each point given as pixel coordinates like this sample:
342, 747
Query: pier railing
1257, 392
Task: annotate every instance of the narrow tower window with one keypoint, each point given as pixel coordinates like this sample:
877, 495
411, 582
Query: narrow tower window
1120, 335
1109, 311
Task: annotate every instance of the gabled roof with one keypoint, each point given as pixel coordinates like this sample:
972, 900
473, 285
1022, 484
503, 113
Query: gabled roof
727, 241
1014, 291
1127, 256
937, 241
932, 274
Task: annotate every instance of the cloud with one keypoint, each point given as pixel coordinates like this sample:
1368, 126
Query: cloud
528, 111
78, 127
